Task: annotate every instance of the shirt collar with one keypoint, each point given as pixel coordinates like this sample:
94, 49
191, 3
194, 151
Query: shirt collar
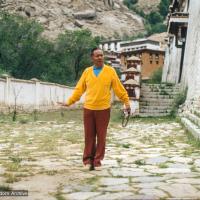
98, 68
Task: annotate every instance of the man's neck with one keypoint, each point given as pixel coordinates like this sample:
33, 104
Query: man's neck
96, 66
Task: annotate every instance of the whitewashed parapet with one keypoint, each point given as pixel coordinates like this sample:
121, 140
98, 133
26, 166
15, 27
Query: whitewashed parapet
32, 94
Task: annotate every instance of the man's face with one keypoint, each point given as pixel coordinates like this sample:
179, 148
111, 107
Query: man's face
98, 58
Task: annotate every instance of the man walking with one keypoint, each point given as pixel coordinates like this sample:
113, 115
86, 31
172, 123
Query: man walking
97, 82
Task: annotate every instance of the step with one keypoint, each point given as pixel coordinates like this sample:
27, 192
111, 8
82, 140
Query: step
160, 85
156, 100
159, 90
158, 93
191, 127
157, 96
154, 111
155, 103
197, 112
153, 114
156, 107
193, 118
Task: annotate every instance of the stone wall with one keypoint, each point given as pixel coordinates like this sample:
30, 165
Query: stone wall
171, 67
191, 66
191, 70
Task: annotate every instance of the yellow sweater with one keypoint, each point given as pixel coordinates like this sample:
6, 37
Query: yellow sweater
98, 89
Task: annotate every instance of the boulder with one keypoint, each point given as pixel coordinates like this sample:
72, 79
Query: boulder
88, 14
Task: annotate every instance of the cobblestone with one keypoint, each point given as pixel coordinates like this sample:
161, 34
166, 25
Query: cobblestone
145, 160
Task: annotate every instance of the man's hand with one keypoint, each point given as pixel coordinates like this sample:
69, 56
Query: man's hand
128, 109
62, 104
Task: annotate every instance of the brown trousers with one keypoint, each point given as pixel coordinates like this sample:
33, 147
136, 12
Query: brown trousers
95, 127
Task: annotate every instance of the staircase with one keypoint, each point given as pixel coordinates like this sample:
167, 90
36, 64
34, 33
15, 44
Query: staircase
156, 100
191, 121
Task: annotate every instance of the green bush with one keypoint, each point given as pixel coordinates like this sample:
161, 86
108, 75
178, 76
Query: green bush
156, 77
179, 100
163, 7
130, 3
25, 54
154, 20
154, 17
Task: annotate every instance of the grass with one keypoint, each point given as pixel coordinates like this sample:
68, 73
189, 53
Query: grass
126, 145
51, 172
5, 188
12, 167
194, 169
140, 162
11, 178
192, 140
163, 165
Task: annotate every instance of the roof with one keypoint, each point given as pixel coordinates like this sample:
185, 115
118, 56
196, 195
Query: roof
134, 58
131, 82
132, 69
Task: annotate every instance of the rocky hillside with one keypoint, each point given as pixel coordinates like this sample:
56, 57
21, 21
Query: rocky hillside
148, 5
108, 18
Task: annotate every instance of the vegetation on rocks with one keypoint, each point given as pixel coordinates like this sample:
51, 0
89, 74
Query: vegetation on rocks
25, 54
154, 21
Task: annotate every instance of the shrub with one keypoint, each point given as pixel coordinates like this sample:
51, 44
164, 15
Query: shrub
156, 77
179, 100
129, 3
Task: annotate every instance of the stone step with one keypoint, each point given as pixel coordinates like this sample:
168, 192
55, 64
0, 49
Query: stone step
193, 118
154, 111
155, 103
156, 107
157, 96
153, 114
154, 100
191, 127
169, 91
144, 93
197, 112
160, 85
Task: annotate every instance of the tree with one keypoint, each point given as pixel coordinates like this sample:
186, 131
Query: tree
76, 46
154, 17
22, 51
130, 3
163, 7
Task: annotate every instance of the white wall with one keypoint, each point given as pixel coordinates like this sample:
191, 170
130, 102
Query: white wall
172, 63
191, 72
32, 94
2, 89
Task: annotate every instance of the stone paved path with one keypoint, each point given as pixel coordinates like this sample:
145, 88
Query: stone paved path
145, 160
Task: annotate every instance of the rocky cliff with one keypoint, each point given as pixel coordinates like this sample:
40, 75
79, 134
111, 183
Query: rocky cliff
108, 18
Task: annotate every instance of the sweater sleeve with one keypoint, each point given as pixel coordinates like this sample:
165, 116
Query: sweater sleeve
119, 89
78, 91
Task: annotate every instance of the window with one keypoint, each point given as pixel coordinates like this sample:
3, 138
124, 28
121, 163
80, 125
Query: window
157, 62
151, 62
151, 55
157, 56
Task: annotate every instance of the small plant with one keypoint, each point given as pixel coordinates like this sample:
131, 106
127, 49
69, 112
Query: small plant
51, 172
140, 162
156, 77
15, 159
23, 121
126, 145
11, 178
4, 188
179, 100
35, 115
163, 92
163, 165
